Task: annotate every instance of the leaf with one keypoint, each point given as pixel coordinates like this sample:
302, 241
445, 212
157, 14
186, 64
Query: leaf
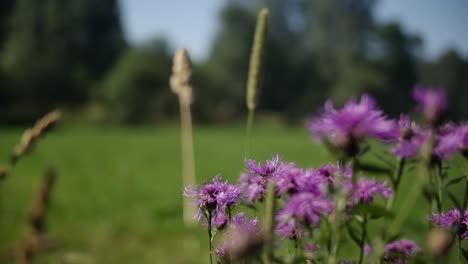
453, 198
465, 199
455, 181
464, 253
428, 193
374, 168
373, 211
352, 233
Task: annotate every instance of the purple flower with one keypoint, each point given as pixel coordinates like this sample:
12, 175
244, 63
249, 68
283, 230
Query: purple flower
289, 228
332, 172
311, 248
365, 189
270, 168
299, 180
242, 233
213, 197
432, 102
450, 139
447, 141
301, 208
399, 251
254, 183
408, 137
355, 121
453, 219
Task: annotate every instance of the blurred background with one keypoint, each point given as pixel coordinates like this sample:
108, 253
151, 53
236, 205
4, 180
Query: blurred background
106, 65
109, 60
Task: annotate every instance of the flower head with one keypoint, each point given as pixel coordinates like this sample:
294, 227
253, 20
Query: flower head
408, 137
305, 208
399, 251
432, 102
450, 139
254, 183
213, 197
454, 218
365, 190
355, 121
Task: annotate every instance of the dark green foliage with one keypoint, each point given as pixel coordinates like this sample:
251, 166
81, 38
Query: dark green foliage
57, 49
137, 89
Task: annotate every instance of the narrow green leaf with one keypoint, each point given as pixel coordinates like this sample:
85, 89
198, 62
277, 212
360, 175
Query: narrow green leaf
353, 234
372, 210
464, 253
465, 199
453, 198
455, 181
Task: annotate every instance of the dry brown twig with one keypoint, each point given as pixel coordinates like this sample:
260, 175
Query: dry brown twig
29, 140
35, 240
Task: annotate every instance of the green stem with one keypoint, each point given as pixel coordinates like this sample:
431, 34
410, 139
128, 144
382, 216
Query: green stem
363, 239
209, 236
248, 134
396, 181
270, 204
459, 250
421, 181
336, 218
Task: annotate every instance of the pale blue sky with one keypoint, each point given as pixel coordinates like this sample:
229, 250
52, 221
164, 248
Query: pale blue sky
193, 23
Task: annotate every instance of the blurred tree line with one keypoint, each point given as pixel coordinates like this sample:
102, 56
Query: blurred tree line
73, 54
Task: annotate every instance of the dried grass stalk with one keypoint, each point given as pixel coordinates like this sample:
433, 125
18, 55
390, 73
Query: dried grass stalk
36, 221
180, 82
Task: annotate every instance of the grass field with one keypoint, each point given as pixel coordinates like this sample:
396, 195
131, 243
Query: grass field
118, 195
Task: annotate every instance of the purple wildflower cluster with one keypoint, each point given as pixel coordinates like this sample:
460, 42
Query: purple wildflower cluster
255, 181
355, 121
454, 219
335, 195
214, 198
398, 251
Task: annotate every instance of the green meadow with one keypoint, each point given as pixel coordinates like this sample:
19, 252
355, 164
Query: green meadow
118, 198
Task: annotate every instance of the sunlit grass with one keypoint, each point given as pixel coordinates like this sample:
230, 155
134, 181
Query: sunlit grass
118, 195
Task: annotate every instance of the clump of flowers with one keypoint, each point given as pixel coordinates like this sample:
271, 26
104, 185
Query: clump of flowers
399, 251
455, 220
355, 121
213, 198
254, 182
310, 208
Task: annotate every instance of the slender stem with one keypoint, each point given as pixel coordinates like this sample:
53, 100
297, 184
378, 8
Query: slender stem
229, 210
270, 204
439, 188
248, 135
336, 217
209, 236
363, 239
421, 181
296, 246
396, 182
188, 159
459, 250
